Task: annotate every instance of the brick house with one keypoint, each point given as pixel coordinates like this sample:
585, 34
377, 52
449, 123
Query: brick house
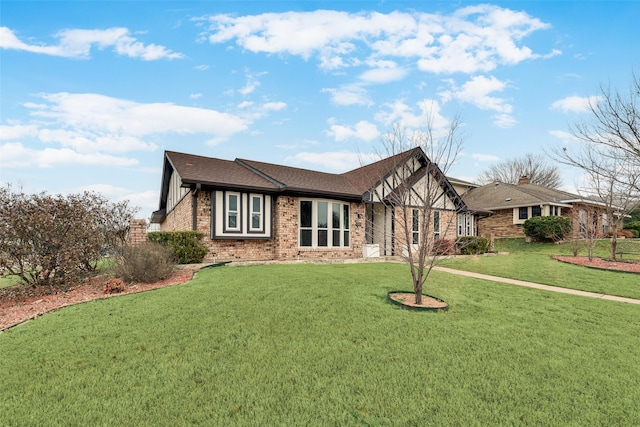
511, 205
250, 210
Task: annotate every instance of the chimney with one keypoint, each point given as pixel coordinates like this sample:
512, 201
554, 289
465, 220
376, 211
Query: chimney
524, 179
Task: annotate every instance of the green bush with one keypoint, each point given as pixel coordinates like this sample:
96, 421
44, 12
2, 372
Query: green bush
472, 245
186, 245
634, 225
145, 263
547, 228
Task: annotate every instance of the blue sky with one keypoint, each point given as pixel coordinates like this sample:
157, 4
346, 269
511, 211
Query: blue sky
93, 92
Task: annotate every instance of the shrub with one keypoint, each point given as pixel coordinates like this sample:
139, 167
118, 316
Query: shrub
146, 263
443, 247
622, 233
633, 225
472, 245
547, 228
185, 245
58, 240
113, 286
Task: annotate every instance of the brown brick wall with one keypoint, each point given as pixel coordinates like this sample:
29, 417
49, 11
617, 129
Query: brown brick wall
180, 217
500, 224
284, 242
285, 219
137, 232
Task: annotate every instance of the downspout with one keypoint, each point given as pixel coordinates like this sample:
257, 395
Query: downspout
194, 207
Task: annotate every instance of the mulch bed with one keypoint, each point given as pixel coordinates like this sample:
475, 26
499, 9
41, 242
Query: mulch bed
20, 303
601, 263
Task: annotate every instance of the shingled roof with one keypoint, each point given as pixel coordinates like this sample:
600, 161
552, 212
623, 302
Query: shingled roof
242, 174
499, 195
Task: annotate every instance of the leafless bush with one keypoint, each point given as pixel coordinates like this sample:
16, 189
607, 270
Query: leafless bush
146, 263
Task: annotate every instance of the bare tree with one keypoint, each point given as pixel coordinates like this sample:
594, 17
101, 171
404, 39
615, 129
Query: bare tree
609, 152
417, 193
532, 166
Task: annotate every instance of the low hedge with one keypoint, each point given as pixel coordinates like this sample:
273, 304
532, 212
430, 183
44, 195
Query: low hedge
186, 245
472, 245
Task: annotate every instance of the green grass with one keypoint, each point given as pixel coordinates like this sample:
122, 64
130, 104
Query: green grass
319, 345
532, 262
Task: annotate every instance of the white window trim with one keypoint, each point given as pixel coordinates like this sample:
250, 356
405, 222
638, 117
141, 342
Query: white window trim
260, 228
314, 225
238, 212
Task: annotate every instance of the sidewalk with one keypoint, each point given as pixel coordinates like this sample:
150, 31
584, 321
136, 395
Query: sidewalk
537, 285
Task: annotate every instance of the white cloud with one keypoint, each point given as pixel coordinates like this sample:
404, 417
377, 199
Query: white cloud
91, 129
577, 104
363, 130
428, 115
349, 95
477, 92
77, 43
504, 121
485, 157
195, 96
472, 39
113, 116
330, 161
16, 155
565, 137
18, 131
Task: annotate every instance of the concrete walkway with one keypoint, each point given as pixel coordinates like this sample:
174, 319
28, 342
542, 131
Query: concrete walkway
537, 285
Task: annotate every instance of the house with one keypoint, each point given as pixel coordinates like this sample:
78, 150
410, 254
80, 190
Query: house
511, 205
251, 210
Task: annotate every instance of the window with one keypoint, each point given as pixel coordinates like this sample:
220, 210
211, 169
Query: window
436, 224
415, 226
256, 213
554, 210
605, 223
465, 224
523, 213
582, 221
324, 224
233, 211
306, 231
536, 211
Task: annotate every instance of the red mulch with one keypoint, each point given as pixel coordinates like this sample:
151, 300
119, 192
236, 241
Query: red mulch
601, 263
409, 299
19, 303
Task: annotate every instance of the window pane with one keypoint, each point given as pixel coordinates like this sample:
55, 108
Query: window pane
336, 238
322, 237
416, 238
436, 222
305, 213
233, 220
256, 204
233, 202
345, 218
322, 215
536, 211
346, 239
255, 220
415, 220
523, 213
335, 215
305, 237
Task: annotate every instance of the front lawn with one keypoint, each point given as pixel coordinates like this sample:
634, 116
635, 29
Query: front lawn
532, 262
319, 345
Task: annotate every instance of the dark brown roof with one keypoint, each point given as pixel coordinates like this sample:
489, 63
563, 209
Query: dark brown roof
304, 180
366, 177
209, 171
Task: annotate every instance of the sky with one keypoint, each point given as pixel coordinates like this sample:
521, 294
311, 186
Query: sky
93, 92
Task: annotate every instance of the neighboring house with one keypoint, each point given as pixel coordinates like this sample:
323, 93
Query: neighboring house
252, 210
511, 205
